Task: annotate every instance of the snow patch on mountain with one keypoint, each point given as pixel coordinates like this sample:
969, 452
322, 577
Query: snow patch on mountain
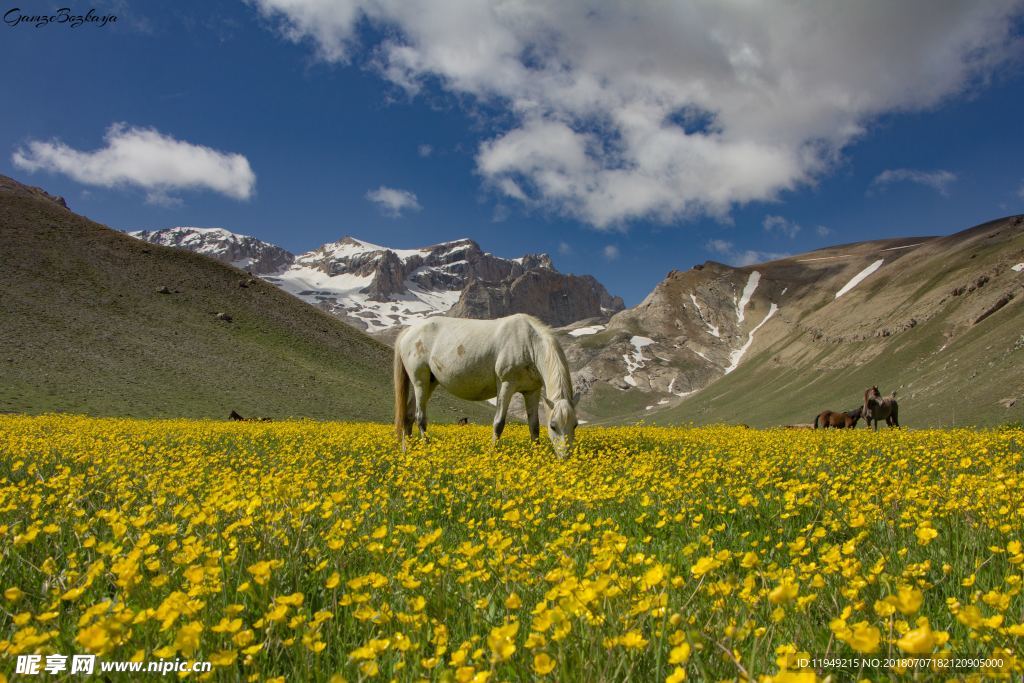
1019, 267
344, 293
586, 331
859, 277
737, 355
748, 291
636, 359
713, 329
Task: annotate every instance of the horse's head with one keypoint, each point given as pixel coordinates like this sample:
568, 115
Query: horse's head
562, 424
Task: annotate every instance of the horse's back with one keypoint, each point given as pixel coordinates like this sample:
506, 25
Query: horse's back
467, 355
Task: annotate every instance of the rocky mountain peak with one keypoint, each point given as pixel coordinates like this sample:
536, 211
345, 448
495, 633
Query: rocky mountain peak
242, 251
380, 289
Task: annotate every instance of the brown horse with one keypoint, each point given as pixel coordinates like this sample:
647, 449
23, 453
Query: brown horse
877, 408
830, 418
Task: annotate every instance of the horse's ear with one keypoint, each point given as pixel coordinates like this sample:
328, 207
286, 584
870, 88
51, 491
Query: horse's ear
547, 402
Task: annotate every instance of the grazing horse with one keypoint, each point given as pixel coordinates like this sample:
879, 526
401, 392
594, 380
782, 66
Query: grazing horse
830, 418
852, 416
479, 359
877, 408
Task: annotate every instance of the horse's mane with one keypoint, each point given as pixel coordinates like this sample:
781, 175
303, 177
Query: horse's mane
553, 364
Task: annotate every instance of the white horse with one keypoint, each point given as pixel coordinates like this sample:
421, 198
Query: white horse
480, 359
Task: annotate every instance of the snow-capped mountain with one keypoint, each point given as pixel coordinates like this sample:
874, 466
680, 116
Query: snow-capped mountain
248, 253
380, 289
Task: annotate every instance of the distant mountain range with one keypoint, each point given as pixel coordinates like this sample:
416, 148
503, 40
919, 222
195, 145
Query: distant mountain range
937, 318
940, 319
380, 289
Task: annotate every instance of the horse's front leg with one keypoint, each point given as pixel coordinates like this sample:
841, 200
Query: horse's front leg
532, 400
505, 393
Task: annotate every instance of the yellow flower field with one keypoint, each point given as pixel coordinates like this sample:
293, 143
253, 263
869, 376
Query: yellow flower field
318, 551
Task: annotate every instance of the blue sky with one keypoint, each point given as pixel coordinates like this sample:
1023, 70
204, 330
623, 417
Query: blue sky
625, 146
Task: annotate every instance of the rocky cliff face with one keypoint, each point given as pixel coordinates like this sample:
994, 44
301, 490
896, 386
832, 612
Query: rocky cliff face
551, 296
380, 289
241, 251
879, 312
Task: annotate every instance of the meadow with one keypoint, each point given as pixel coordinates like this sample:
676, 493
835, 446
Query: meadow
319, 551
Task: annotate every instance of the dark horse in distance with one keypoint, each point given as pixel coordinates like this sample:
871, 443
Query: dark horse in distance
830, 418
878, 408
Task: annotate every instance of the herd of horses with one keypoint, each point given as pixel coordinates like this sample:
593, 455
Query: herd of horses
875, 408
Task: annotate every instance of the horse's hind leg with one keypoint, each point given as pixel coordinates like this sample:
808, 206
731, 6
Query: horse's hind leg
410, 413
895, 418
532, 400
422, 387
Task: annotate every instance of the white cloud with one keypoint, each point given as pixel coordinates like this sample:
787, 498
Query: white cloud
651, 109
781, 225
1020, 192
740, 257
425, 150
823, 231
611, 252
937, 180
564, 248
145, 158
393, 201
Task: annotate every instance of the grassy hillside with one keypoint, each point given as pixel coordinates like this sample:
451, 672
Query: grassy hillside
935, 331
85, 328
963, 387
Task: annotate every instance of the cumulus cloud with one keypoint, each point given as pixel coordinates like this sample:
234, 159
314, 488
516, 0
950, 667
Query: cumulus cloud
144, 158
393, 201
740, 257
611, 112
611, 252
564, 248
783, 226
823, 231
937, 180
425, 150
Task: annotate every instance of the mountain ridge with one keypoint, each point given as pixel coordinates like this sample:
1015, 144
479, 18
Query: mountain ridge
842, 309
381, 289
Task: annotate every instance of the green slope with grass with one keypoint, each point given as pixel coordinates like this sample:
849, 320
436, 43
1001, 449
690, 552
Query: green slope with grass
946, 331
85, 328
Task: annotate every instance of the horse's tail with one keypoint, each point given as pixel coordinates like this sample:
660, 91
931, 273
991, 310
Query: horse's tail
402, 384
